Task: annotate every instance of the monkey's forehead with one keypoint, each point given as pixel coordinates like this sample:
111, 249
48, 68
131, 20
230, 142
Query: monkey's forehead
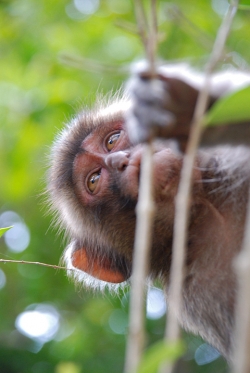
104, 112
113, 109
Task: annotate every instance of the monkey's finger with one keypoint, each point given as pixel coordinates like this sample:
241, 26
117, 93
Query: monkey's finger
145, 122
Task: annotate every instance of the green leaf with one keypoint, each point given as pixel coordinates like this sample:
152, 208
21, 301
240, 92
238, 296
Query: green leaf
159, 353
232, 108
3, 230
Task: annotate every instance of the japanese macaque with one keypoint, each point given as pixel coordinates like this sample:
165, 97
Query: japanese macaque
93, 186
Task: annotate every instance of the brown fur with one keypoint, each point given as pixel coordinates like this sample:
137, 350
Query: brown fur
100, 225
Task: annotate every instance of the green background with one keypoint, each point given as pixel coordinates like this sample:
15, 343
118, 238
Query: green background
38, 95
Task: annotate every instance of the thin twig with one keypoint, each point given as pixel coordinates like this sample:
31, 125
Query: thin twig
142, 24
36, 263
182, 201
242, 329
127, 26
201, 37
191, 29
145, 215
153, 37
143, 238
91, 65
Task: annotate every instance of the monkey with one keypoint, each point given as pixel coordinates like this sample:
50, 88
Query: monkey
93, 190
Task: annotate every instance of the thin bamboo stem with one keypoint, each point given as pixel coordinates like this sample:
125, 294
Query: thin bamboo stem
177, 274
242, 312
143, 239
145, 215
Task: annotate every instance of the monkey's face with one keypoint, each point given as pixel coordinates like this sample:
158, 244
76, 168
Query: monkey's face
106, 174
107, 165
94, 185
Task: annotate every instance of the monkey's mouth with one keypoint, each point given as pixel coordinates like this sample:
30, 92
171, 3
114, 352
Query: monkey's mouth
166, 173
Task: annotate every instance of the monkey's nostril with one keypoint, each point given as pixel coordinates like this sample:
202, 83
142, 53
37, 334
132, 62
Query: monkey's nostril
118, 160
122, 163
123, 167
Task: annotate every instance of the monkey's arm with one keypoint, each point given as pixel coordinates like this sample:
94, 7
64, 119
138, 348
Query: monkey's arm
164, 107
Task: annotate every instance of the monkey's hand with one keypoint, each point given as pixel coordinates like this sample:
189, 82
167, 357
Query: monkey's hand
161, 107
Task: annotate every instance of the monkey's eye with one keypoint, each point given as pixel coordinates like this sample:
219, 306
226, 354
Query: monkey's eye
93, 181
111, 141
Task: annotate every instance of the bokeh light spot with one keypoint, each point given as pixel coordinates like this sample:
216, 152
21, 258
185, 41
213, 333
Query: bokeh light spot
220, 7
86, 6
2, 279
120, 48
68, 367
40, 324
156, 303
205, 354
17, 238
118, 321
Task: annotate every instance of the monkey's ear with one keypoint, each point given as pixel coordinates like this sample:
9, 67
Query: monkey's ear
101, 268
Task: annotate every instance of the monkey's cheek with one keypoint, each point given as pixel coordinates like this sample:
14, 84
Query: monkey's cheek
166, 173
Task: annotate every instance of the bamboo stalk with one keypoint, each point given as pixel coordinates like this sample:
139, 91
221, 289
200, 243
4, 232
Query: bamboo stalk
144, 214
143, 239
177, 273
242, 312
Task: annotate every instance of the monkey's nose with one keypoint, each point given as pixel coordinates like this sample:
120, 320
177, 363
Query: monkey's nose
117, 160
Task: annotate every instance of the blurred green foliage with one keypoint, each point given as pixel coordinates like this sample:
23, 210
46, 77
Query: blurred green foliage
38, 94
230, 109
3, 230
